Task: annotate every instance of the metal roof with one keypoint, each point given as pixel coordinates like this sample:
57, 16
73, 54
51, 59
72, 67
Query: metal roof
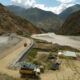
67, 53
28, 65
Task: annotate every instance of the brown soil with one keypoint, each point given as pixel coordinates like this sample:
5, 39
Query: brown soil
10, 23
12, 55
69, 70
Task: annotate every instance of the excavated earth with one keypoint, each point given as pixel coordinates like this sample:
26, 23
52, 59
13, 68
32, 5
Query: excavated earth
6, 42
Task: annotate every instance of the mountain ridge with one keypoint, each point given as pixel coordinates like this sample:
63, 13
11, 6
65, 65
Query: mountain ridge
46, 21
71, 25
10, 23
64, 14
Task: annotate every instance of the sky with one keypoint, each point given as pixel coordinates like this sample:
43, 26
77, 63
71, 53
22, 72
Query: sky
56, 6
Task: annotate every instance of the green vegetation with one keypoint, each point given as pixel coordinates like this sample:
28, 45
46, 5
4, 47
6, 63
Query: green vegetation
67, 48
39, 18
69, 11
71, 25
26, 35
33, 53
39, 54
36, 62
48, 67
45, 46
41, 41
30, 60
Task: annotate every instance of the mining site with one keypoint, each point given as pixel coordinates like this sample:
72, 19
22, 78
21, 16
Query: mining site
39, 40
55, 61
6, 42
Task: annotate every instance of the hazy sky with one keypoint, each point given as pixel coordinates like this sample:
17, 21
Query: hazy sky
55, 6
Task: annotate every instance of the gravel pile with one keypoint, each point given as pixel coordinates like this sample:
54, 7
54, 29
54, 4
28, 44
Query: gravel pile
6, 42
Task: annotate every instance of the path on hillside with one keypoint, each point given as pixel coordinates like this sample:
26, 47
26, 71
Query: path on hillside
72, 41
11, 56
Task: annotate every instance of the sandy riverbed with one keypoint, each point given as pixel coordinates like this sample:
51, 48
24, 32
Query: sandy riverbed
72, 41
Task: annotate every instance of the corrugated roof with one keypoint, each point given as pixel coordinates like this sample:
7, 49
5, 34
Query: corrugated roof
28, 65
67, 53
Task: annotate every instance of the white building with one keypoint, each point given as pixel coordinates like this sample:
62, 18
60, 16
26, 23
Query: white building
68, 53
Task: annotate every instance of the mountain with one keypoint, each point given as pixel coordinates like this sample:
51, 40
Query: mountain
46, 21
72, 25
10, 23
15, 9
69, 11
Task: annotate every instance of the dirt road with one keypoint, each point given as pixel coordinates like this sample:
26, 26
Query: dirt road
71, 41
69, 70
11, 55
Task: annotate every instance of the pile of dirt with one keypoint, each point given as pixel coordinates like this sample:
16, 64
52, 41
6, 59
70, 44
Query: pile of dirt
6, 43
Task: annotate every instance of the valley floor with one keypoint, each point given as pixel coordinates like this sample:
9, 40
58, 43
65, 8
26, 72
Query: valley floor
69, 70
71, 41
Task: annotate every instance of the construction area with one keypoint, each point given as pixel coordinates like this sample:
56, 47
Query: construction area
6, 42
56, 62
45, 60
13, 49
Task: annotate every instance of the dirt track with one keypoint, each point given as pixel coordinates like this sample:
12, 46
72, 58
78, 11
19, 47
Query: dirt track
11, 55
69, 70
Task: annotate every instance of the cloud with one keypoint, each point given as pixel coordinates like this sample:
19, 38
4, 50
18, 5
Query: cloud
56, 9
32, 3
23, 3
64, 4
66, 1
17, 1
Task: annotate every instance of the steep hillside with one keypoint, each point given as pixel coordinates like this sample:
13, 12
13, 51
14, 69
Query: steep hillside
72, 25
9, 23
69, 11
44, 20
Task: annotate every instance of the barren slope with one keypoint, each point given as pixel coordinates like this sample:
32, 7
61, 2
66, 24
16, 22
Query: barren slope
9, 23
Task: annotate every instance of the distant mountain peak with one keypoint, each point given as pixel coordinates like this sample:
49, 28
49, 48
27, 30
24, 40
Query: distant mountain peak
77, 5
44, 20
69, 11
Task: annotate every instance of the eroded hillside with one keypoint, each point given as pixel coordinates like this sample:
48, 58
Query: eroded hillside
10, 23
